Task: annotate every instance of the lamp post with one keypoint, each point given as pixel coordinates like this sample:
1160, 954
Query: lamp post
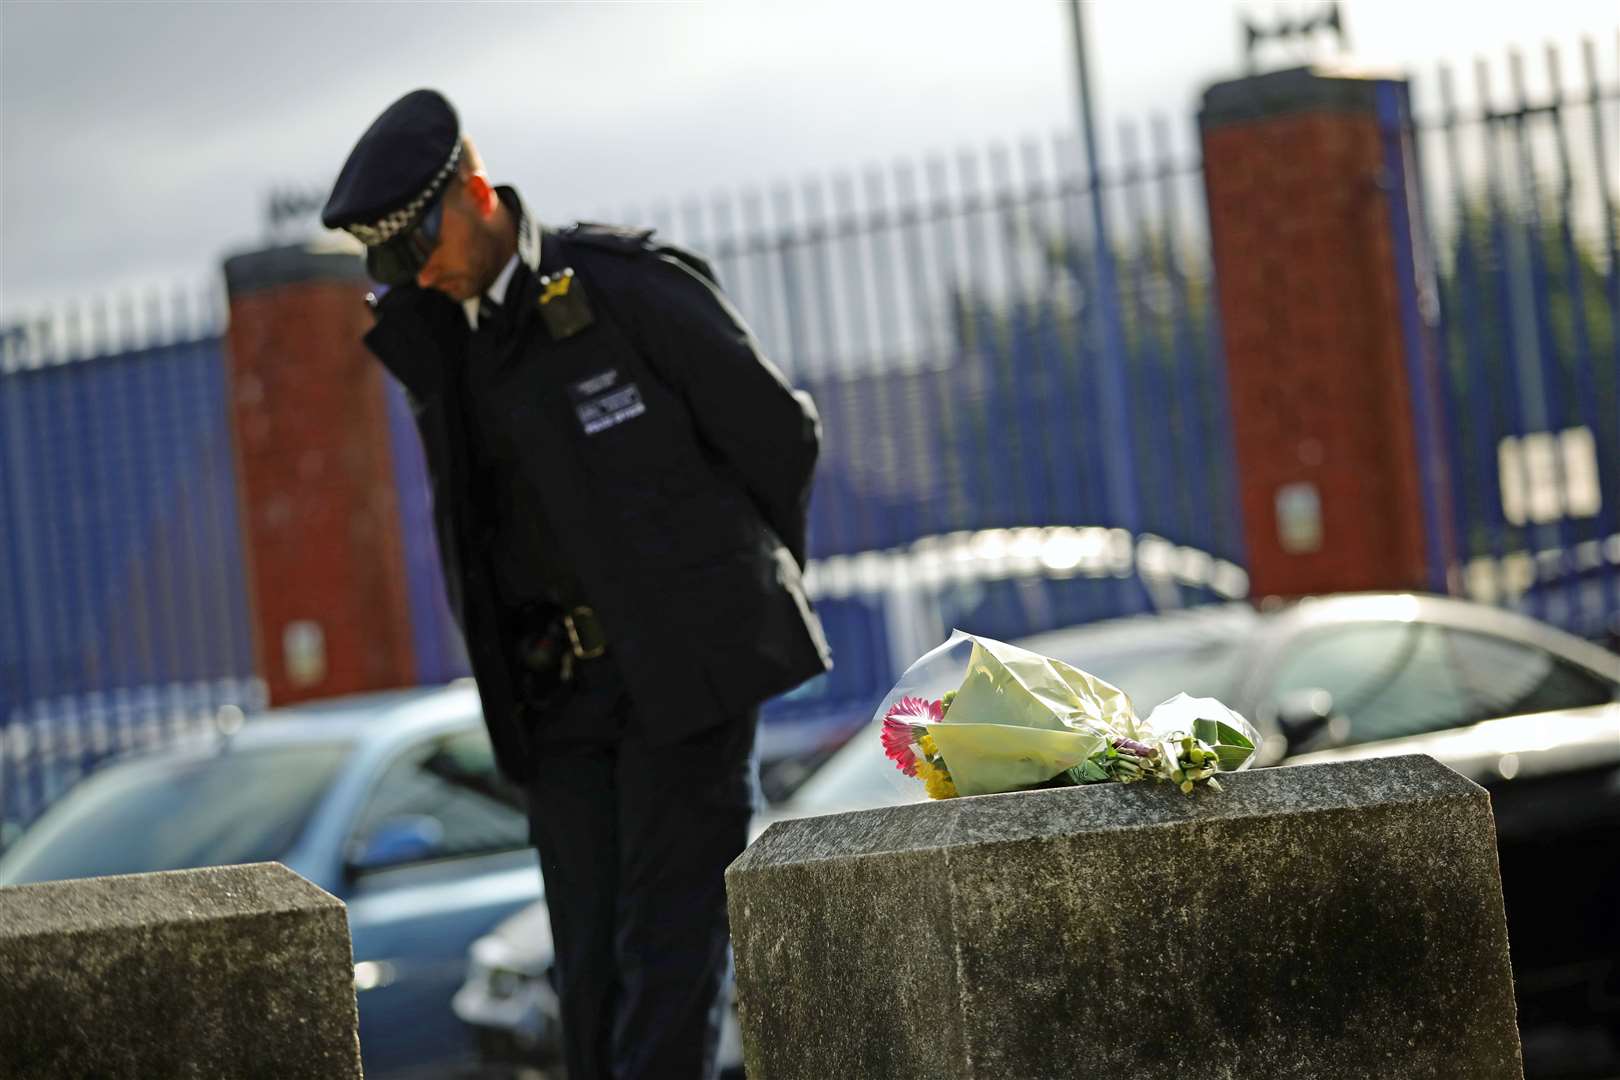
1119, 457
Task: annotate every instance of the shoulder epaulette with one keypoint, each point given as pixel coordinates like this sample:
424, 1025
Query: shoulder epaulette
627, 241
616, 238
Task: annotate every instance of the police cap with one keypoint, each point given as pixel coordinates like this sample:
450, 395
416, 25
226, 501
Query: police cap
393, 178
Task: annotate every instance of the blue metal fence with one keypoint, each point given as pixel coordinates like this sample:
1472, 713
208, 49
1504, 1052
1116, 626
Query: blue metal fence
123, 610
948, 332
1524, 198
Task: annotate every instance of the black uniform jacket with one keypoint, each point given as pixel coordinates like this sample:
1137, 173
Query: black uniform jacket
671, 460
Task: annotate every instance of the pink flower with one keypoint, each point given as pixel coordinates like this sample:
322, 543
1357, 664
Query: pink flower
900, 730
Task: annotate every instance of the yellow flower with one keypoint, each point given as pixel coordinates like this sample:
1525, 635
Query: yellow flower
936, 780
928, 747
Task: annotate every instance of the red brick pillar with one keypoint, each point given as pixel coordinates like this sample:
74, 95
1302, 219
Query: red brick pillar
319, 506
1326, 321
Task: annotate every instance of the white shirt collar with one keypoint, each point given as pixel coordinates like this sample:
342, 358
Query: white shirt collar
528, 250
496, 292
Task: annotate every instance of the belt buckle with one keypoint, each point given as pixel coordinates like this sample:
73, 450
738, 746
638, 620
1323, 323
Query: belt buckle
579, 650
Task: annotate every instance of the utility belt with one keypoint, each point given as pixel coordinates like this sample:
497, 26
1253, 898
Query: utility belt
553, 646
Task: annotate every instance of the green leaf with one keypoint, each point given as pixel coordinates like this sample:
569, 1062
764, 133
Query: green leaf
1232, 757
1230, 736
1207, 731
1087, 772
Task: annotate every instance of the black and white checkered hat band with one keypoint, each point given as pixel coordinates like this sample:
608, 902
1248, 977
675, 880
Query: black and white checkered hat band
391, 225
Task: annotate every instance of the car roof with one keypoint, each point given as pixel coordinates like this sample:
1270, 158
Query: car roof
376, 721
1186, 626
1191, 627
370, 716
1450, 611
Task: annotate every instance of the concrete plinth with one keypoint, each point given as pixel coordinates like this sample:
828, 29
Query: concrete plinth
1332, 922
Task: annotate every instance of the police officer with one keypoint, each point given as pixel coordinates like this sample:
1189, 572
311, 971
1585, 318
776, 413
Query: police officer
621, 483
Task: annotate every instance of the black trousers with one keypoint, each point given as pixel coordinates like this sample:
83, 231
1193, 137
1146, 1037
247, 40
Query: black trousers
633, 841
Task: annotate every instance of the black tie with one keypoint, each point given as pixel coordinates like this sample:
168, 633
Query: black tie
489, 312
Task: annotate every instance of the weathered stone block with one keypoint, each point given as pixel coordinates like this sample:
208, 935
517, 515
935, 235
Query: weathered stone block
1313, 923
237, 971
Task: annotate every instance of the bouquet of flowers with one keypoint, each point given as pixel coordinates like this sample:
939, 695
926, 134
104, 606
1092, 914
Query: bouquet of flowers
1017, 720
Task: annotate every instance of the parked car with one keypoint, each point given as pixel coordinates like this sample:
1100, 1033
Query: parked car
1529, 712
391, 802
509, 1001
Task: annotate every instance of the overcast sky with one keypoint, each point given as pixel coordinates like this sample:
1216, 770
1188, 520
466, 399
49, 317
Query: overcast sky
140, 139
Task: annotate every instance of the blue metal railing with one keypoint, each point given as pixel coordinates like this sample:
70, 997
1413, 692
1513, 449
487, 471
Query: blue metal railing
123, 608
1525, 200
945, 335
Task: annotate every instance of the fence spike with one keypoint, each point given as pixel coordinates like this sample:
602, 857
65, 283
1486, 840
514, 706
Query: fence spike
1554, 76
1448, 96
1128, 152
846, 209
219, 304
75, 343
184, 320
782, 212
160, 331
693, 232
1516, 78
1159, 138
661, 215
42, 333
1482, 85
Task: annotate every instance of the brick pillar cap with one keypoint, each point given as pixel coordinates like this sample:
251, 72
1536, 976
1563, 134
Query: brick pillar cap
331, 258
1323, 87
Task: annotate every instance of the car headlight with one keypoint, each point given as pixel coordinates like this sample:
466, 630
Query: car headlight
373, 975
504, 983
495, 965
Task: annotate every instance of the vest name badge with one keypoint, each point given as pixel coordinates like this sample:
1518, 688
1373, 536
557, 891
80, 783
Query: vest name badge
604, 400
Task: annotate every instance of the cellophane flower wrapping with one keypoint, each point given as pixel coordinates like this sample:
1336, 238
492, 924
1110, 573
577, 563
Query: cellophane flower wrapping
990, 717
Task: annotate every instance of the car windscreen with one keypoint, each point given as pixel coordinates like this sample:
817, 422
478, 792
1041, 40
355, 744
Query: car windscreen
243, 805
1156, 672
1150, 669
